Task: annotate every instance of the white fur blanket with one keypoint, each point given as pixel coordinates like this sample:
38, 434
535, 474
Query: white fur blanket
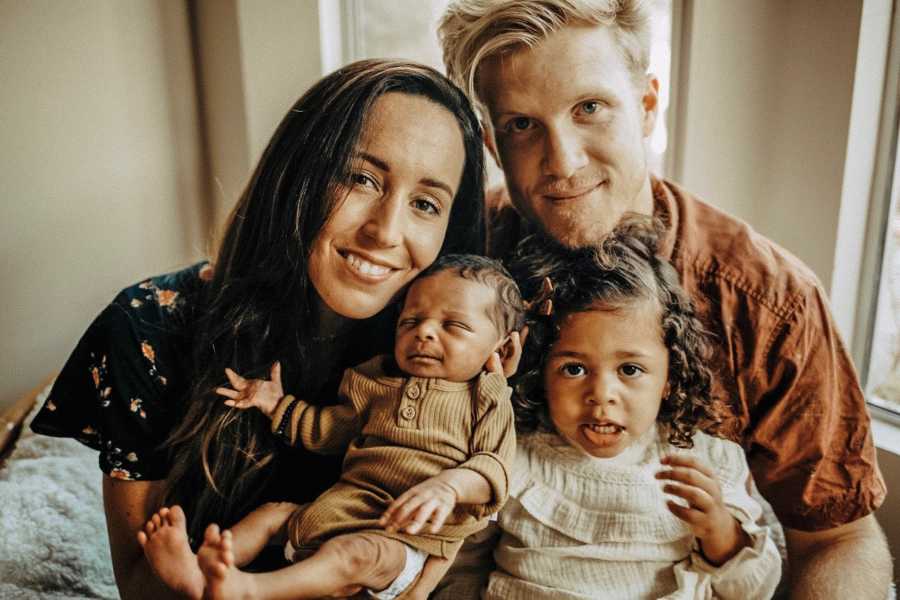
53, 542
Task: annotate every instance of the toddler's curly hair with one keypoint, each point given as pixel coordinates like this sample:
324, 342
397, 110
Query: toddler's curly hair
622, 270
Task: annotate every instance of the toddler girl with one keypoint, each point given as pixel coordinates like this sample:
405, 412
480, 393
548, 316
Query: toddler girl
428, 435
615, 492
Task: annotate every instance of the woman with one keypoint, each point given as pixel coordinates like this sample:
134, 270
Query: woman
372, 174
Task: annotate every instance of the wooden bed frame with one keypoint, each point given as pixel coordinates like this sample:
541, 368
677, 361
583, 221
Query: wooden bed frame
12, 417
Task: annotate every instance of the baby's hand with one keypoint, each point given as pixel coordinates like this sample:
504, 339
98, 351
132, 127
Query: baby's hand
432, 500
261, 393
720, 534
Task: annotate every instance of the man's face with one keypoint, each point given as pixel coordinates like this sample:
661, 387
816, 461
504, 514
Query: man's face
569, 124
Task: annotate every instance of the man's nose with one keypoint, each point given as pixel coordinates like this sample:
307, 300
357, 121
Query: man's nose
564, 152
385, 222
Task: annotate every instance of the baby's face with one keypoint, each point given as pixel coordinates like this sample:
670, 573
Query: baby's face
445, 329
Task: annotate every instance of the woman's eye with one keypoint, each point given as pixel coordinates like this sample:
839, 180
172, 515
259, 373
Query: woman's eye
572, 370
427, 206
631, 370
518, 124
363, 180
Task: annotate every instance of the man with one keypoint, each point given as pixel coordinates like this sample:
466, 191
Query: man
567, 101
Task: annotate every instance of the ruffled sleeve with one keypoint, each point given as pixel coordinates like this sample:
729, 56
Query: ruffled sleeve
119, 390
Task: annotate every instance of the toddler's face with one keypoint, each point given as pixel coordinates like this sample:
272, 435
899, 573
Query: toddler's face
445, 329
605, 377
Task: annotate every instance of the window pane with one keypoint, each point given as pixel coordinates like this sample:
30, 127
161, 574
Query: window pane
883, 382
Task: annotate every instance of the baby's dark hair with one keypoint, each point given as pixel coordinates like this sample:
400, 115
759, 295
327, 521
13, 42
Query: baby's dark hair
623, 269
508, 313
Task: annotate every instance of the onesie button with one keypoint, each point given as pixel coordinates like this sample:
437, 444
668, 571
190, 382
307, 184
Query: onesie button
413, 391
408, 412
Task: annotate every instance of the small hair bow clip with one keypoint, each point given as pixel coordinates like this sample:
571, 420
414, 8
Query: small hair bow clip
542, 303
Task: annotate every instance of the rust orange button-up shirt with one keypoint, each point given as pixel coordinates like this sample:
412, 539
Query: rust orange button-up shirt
797, 407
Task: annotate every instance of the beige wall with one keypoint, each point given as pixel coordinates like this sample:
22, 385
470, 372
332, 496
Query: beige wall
766, 115
100, 167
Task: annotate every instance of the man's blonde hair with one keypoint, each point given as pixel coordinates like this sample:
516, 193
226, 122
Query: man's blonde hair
473, 30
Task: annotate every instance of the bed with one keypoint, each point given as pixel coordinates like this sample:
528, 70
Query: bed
53, 541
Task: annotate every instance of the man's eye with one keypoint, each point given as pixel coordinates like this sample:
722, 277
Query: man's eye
427, 206
590, 107
572, 370
519, 124
631, 370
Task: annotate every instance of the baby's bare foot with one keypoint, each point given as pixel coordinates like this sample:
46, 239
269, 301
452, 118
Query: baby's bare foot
165, 543
216, 559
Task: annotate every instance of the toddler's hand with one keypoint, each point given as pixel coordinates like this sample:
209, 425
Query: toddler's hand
261, 393
720, 534
432, 500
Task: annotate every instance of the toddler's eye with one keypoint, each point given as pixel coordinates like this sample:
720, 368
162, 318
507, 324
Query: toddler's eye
590, 107
572, 370
631, 370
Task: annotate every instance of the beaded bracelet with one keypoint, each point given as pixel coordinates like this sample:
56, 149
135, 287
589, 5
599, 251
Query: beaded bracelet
286, 417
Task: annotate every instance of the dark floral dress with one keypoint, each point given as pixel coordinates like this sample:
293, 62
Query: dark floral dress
119, 390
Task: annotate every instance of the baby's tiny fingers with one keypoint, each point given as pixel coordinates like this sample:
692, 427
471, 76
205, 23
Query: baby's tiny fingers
237, 382
438, 518
421, 516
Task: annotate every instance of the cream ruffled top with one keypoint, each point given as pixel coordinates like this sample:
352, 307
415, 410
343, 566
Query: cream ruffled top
579, 527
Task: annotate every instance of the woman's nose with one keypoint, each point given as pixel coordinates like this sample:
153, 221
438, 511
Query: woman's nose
384, 223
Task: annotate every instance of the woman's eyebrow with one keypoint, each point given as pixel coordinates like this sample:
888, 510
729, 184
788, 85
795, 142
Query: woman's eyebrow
427, 181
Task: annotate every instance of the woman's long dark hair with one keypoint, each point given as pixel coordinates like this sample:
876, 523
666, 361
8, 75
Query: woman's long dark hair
258, 307
622, 270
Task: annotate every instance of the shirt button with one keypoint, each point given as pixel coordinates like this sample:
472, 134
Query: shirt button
413, 391
408, 412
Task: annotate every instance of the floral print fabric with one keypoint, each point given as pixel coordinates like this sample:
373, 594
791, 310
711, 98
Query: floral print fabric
120, 389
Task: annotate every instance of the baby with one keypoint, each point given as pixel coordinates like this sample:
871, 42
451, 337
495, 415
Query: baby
616, 492
428, 435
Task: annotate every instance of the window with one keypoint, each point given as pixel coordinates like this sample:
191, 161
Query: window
883, 374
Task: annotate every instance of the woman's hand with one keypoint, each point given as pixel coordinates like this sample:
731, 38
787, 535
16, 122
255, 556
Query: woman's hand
720, 534
260, 393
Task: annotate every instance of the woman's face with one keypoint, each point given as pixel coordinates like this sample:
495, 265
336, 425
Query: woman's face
392, 214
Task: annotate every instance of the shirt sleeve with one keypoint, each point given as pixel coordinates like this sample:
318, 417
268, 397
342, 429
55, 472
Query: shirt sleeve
321, 429
493, 440
754, 572
811, 450
113, 395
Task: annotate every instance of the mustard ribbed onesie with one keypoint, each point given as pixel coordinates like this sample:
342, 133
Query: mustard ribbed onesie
401, 431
